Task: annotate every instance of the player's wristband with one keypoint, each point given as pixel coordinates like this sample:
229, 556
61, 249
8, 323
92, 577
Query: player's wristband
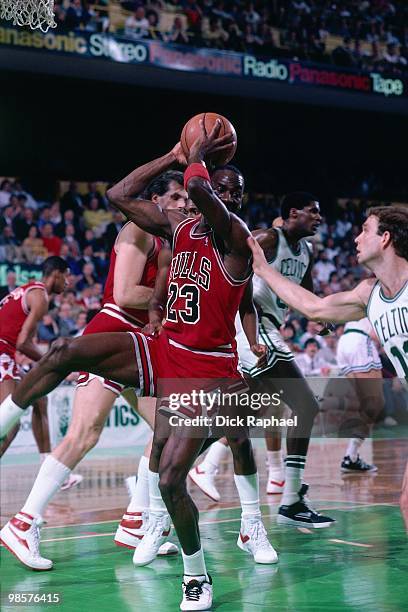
194, 170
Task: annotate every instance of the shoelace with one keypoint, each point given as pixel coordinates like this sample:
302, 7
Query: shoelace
193, 590
258, 533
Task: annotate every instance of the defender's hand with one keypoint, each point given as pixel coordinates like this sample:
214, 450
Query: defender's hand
259, 264
178, 153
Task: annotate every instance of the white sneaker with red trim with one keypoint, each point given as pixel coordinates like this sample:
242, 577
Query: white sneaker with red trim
21, 536
131, 529
276, 482
254, 540
157, 532
205, 480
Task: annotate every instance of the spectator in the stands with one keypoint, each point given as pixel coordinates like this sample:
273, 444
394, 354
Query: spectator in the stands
310, 362
65, 320
72, 200
93, 192
68, 219
55, 214
334, 282
251, 16
69, 238
5, 192
47, 330
113, 229
343, 55
178, 33
214, 34
311, 332
76, 15
10, 285
253, 42
51, 242
194, 16
33, 247
80, 322
154, 31
137, 25
96, 217
7, 218
323, 268
89, 277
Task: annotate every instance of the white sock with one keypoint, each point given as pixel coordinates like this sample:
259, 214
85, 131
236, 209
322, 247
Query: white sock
157, 505
353, 447
275, 461
248, 491
294, 468
140, 497
215, 454
49, 479
194, 566
10, 414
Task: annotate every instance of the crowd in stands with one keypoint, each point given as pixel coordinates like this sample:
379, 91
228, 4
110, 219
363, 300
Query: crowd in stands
369, 34
81, 227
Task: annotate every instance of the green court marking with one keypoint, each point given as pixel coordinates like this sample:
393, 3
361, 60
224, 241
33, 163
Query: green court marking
314, 573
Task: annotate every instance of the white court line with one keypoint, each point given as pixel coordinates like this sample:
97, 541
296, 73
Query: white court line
209, 522
351, 543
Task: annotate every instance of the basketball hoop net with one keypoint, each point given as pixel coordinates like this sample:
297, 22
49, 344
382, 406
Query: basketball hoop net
34, 13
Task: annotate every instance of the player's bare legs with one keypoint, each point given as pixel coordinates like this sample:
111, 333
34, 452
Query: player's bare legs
92, 404
110, 355
39, 423
6, 388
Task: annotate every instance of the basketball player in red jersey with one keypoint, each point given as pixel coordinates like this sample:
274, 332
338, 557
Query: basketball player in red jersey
216, 272
20, 312
128, 288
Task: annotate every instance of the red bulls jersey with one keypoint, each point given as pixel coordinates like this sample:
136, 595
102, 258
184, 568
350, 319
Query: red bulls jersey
203, 298
134, 315
14, 311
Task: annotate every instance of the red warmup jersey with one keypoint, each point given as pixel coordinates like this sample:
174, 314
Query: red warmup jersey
134, 315
203, 298
13, 313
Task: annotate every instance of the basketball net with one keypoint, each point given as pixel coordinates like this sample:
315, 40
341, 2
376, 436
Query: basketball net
34, 13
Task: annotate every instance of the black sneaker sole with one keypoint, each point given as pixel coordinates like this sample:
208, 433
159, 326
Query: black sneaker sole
354, 471
285, 520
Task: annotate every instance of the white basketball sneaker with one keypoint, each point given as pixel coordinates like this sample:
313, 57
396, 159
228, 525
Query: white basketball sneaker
21, 536
197, 594
254, 540
131, 529
205, 480
157, 532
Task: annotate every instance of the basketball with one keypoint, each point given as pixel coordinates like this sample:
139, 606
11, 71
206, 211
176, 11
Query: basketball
191, 131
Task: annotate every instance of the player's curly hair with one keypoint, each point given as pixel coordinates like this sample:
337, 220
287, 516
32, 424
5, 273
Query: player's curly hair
393, 219
296, 199
161, 183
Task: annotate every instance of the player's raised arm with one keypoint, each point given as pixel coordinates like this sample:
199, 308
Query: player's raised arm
147, 215
339, 307
157, 304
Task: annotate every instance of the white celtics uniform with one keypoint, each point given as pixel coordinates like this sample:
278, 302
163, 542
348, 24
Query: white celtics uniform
389, 317
356, 351
272, 311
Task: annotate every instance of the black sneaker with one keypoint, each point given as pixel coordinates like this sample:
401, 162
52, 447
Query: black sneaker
300, 514
356, 467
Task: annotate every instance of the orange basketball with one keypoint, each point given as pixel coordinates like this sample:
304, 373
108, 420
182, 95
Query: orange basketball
191, 131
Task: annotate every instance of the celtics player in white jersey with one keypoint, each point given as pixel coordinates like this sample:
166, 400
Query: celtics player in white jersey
286, 250
382, 246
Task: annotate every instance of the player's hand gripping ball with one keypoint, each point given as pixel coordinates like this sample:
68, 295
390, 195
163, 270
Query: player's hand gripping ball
193, 131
